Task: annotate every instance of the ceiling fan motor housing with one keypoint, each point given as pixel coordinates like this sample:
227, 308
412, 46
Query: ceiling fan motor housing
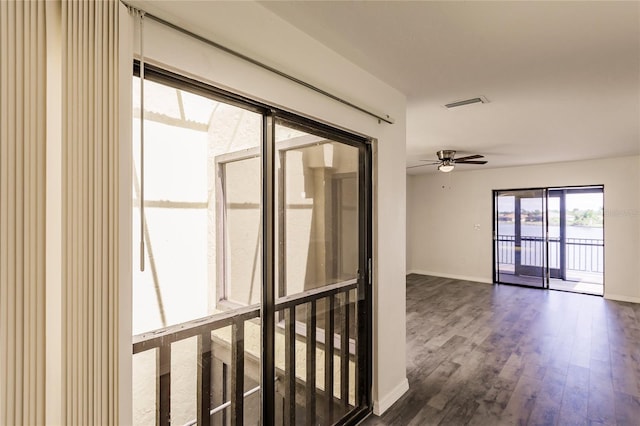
446, 154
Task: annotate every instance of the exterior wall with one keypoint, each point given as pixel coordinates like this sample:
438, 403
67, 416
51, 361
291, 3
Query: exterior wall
445, 209
310, 203
242, 230
249, 28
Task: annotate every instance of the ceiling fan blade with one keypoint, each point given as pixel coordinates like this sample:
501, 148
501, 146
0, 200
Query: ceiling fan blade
469, 157
419, 165
470, 162
432, 162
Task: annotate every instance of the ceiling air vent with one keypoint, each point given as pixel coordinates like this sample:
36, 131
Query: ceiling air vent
479, 99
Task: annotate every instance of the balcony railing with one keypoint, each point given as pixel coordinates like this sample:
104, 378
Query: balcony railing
337, 300
581, 254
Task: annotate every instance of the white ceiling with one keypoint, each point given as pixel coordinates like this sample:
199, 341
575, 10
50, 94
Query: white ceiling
562, 78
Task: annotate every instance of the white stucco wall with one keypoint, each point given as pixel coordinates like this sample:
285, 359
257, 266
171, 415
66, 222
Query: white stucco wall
444, 209
253, 30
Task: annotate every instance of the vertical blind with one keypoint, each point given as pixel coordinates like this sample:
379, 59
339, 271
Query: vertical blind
90, 211
89, 237
22, 212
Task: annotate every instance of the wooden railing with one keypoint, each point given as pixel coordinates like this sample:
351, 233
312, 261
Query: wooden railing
161, 341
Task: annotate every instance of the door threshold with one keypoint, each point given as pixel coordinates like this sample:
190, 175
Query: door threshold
577, 287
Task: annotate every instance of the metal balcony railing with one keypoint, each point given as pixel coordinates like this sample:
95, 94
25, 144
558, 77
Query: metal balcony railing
581, 254
337, 299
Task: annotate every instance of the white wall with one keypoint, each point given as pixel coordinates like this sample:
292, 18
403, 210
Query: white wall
253, 30
444, 209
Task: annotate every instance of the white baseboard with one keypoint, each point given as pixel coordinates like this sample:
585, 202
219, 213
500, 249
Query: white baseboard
621, 298
453, 276
384, 403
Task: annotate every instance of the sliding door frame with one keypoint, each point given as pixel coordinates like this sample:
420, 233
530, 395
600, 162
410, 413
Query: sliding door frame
269, 216
544, 278
561, 271
267, 305
548, 192
364, 370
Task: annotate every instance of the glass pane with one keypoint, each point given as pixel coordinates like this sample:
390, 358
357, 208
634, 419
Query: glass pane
520, 242
318, 212
585, 237
225, 376
554, 235
243, 271
202, 227
184, 381
318, 224
581, 243
505, 229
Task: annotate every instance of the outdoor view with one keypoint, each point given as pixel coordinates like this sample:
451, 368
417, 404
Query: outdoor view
186, 136
197, 290
576, 236
585, 217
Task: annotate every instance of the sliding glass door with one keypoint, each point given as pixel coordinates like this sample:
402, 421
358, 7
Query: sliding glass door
251, 304
320, 199
576, 239
520, 231
550, 238
557, 234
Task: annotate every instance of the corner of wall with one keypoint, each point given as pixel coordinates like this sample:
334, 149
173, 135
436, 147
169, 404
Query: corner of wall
384, 403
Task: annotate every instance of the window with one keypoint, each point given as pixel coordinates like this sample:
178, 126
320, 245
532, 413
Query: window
238, 256
200, 335
186, 135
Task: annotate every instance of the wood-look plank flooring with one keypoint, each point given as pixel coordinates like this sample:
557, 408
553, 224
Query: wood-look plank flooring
479, 354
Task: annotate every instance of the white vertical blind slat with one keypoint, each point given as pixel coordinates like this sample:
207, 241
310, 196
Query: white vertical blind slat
40, 209
112, 314
66, 44
4, 220
82, 145
90, 149
22, 196
4, 201
97, 200
29, 159
89, 205
73, 208
93, 174
11, 214
18, 100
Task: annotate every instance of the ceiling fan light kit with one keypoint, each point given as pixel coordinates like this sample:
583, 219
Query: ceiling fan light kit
447, 161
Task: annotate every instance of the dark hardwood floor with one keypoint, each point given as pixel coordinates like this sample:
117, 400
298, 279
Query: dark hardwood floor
503, 355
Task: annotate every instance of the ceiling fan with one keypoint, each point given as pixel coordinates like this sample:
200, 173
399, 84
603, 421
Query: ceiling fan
447, 160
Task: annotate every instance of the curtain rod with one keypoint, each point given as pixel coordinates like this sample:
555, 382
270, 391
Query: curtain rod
386, 118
